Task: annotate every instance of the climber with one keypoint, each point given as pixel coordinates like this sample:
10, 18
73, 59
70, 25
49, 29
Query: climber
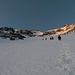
59, 37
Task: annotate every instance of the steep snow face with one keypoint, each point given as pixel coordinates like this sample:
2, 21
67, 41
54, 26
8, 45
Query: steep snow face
35, 56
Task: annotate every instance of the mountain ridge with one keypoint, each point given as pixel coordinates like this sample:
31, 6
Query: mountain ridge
58, 31
64, 29
6, 32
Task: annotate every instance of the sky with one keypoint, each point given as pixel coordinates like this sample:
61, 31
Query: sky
36, 14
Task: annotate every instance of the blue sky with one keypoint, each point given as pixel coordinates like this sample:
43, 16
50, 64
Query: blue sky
36, 14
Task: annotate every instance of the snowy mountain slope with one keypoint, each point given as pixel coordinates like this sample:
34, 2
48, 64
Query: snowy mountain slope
35, 56
64, 29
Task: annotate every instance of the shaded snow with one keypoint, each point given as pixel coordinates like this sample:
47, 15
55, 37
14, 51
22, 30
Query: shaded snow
35, 56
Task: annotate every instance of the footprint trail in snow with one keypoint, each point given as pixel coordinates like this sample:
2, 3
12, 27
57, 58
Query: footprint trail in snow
66, 60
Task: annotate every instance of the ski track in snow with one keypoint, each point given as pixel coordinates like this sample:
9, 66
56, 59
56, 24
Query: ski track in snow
66, 60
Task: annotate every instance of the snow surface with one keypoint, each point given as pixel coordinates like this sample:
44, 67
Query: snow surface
35, 56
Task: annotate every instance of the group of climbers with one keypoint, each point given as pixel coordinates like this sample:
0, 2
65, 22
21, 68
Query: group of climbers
52, 38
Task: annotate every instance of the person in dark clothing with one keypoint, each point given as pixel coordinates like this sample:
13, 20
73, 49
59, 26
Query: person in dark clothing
51, 38
59, 37
45, 38
42, 38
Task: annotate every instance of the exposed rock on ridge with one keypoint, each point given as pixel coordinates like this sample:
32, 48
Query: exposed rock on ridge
64, 29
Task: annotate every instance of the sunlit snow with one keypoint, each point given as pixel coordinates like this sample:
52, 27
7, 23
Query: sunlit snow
34, 56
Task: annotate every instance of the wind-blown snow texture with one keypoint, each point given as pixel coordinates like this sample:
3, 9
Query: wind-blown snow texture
35, 56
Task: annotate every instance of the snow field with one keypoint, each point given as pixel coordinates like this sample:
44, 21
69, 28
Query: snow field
35, 56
